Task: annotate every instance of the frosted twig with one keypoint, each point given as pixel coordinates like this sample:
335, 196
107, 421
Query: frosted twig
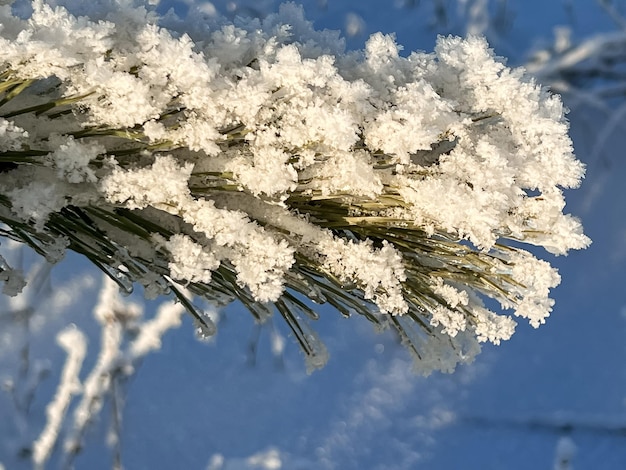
75, 344
117, 360
111, 313
151, 331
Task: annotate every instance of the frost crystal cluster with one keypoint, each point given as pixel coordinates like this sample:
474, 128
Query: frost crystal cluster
260, 162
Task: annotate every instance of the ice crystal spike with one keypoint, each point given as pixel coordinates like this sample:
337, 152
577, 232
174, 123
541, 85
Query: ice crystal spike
125, 283
204, 329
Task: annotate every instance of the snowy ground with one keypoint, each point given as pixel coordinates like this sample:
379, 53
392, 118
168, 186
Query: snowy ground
557, 391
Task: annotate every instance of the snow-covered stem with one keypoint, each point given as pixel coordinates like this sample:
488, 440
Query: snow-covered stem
262, 163
112, 315
126, 338
74, 342
148, 339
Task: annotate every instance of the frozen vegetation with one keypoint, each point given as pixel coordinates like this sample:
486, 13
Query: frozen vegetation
262, 162
259, 161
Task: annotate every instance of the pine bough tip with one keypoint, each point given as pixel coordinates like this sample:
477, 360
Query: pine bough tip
261, 163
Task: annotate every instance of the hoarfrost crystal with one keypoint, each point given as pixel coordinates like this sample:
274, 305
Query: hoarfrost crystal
261, 162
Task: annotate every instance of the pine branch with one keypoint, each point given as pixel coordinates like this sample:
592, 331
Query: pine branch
281, 176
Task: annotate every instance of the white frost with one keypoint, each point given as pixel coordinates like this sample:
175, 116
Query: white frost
256, 146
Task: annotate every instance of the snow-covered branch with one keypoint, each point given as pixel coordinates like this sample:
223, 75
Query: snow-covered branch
30, 324
74, 342
263, 163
